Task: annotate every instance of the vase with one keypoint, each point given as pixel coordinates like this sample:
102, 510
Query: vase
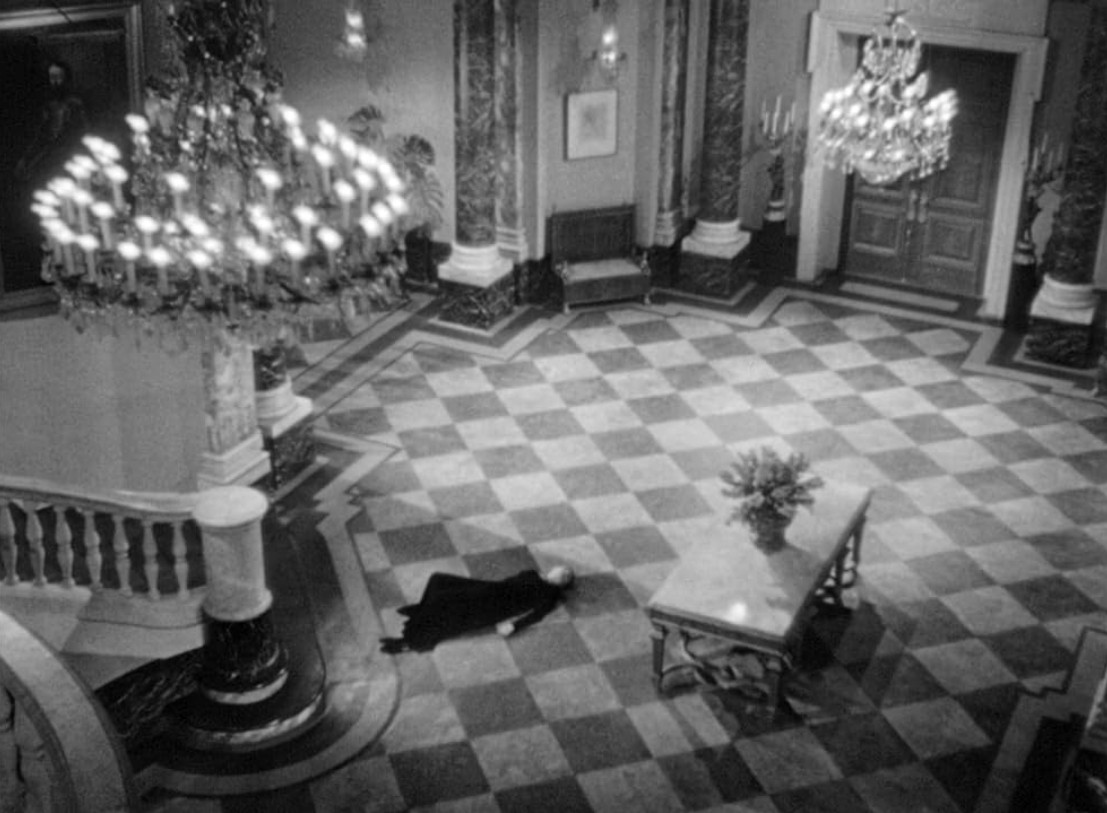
767, 530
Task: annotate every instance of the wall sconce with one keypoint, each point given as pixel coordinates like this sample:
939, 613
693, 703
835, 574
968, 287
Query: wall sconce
608, 57
354, 43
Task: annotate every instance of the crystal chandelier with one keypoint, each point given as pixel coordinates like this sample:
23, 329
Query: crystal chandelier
879, 124
225, 214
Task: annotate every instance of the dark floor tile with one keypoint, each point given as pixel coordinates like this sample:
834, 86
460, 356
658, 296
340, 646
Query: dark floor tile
505, 461
513, 374
972, 526
558, 796
814, 334
417, 543
1051, 597
431, 440
295, 799
552, 343
399, 390
704, 464
1069, 549
729, 776
721, 346
619, 444
589, 481
994, 485
599, 741
384, 589
891, 348
949, 394
500, 564
547, 647
895, 680
870, 379
902, 465
963, 773
651, 331
861, 743
692, 376
846, 409
735, 428
1030, 651
632, 679
1013, 447
821, 444
827, 797
557, 423
673, 503
619, 360
581, 391
490, 708
438, 773
433, 359
991, 708
598, 593
1085, 506
769, 393
390, 477
949, 572
794, 362
474, 406
1028, 412
928, 428
635, 546
661, 408
367, 421
1093, 465
548, 522
934, 624
465, 500
691, 780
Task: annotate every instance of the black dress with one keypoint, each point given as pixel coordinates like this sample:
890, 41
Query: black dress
455, 605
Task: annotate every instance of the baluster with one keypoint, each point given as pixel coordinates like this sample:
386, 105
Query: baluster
63, 535
9, 553
11, 791
122, 557
31, 754
93, 558
150, 559
180, 560
34, 541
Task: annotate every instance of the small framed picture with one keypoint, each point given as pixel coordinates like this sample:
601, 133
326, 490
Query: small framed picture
591, 124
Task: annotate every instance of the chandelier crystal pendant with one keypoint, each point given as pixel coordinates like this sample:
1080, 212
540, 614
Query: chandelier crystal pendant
879, 125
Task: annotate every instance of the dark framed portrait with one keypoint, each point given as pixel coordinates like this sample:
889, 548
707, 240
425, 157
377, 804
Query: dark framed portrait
66, 72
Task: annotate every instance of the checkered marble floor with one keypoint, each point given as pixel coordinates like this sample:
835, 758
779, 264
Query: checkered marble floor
596, 440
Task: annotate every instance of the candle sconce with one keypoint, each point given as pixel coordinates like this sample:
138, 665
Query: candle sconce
608, 57
1044, 170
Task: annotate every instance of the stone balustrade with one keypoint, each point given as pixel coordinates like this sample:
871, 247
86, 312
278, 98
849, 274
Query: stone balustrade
124, 548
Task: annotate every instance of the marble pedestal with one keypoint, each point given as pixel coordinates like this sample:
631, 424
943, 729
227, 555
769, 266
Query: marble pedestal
477, 286
711, 259
285, 421
1063, 324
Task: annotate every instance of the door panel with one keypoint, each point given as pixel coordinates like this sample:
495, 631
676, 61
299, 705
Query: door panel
943, 221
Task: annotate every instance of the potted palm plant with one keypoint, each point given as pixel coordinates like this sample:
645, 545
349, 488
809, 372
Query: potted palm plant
769, 490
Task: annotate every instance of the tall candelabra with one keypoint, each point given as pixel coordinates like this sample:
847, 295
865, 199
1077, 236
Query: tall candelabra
776, 129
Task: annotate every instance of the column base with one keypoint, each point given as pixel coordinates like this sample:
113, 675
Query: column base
720, 240
244, 662
289, 440
243, 464
708, 275
477, 286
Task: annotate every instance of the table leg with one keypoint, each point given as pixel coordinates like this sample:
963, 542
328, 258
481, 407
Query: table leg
658, 636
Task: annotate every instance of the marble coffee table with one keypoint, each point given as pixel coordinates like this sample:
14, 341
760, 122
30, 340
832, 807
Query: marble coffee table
727, 591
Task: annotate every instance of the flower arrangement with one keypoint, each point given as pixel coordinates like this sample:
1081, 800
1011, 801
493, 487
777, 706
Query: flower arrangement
768, 486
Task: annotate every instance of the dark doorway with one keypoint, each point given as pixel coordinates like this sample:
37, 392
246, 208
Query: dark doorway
933, 233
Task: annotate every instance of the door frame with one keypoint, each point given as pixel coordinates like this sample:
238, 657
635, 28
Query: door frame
832, 58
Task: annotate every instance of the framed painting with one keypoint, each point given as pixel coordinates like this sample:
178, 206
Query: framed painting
591, 124
67, 71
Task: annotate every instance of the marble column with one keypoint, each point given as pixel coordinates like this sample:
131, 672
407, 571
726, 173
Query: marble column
510, 232
476, 282
235, 451
717, 234
670, 159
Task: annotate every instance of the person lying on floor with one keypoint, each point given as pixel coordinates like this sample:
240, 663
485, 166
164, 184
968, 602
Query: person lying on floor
455, 605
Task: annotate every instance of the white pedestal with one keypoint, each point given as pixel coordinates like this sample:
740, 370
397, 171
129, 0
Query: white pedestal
479, 266
242, 464
723, 240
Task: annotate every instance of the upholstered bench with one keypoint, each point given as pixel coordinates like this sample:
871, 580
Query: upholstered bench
595, 258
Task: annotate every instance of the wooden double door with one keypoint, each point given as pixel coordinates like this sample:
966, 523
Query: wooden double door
933, 233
